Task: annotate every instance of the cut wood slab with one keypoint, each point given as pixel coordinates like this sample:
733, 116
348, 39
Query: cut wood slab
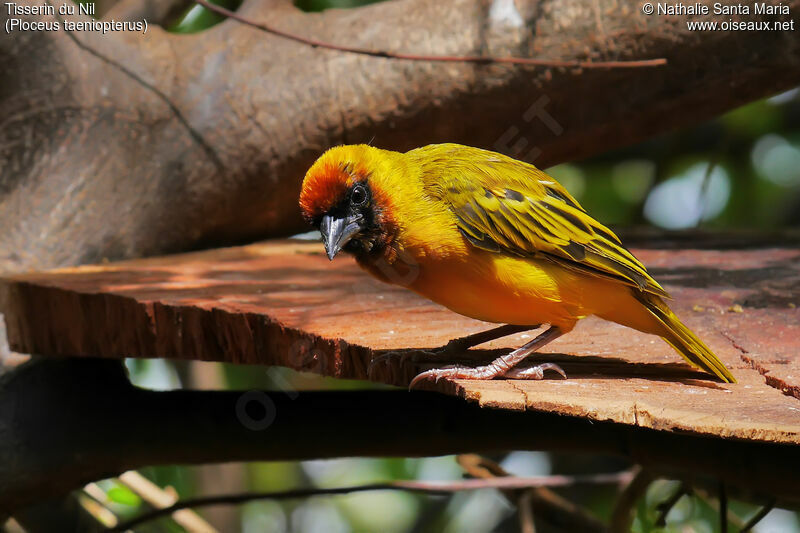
283, 303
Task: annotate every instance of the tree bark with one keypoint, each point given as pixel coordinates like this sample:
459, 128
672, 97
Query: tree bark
121, 144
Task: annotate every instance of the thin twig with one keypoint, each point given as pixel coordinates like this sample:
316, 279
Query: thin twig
525, 510
160, 498
723, 508
703, 194
94, 491
758, 517
481, 467
721, 146
548, 506
713, 502
422, 487
97, 510
666, 506
622, 514
421, 57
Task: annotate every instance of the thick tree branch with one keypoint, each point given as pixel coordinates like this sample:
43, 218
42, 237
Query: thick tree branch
481, 60
81, 420
96, 164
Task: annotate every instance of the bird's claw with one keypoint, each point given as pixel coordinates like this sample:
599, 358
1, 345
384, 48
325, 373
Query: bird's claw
486, 372
535, 372
436, 374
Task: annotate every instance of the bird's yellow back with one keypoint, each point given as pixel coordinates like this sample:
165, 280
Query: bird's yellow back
504, 204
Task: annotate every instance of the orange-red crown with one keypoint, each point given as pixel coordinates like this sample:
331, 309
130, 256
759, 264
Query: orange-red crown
328, 180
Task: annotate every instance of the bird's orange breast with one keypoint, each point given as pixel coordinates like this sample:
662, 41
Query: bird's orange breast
497, 288
512, 290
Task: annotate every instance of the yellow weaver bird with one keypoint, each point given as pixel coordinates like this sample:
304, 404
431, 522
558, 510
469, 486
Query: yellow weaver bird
491, 238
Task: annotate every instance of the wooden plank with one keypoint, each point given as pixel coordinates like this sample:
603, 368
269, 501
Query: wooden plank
283, 303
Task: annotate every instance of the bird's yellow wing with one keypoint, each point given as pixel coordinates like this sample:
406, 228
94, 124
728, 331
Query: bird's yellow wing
507, 206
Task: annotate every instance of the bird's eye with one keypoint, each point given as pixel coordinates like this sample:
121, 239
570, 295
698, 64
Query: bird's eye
359, 196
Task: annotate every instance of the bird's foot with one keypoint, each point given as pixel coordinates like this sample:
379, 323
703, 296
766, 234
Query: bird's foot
489, 371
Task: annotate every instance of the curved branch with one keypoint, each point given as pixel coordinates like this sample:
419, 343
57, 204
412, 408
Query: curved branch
435, 488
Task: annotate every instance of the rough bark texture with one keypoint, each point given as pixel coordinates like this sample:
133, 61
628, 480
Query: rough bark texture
123, 144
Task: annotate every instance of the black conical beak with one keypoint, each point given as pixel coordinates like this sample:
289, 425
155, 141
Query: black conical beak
336, 232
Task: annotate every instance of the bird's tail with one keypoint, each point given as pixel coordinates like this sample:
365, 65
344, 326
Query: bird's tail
683, 339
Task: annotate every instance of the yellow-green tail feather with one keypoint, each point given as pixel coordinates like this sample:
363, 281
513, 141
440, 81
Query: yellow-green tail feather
684, 340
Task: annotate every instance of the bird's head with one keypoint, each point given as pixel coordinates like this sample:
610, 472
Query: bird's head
343, 198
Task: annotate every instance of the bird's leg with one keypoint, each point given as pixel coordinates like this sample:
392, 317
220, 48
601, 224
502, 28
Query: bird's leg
502, 366
453, 347
468, 341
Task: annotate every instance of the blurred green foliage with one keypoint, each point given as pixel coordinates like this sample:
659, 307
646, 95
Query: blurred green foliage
197, 18
321, 5
754, 154
123, 495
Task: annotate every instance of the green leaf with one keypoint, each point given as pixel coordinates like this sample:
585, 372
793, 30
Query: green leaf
123, 495
197, 18
321, 5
